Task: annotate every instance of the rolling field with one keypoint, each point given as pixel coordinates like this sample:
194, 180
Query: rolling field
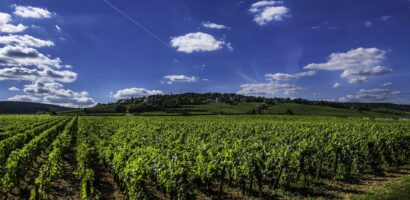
200, 157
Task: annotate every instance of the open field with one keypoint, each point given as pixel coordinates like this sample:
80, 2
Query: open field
200, 157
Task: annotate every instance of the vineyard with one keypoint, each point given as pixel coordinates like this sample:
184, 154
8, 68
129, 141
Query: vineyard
203, 157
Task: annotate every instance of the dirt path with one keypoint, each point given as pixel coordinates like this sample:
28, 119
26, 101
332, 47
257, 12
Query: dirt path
365, 184
372, 182
22, 190
105, 184
327, 189
67, 187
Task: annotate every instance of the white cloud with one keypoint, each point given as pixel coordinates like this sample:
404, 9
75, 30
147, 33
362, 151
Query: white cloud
268, 89
6, 27
256, 6
268, 11
362, 75
24, 98
25, 41
229, 46
21, 61
386, 84
196, 42
135, 92
25, 56
26, 74
58, 28
180, 78
274, 86
337, 85
42, 88
289, 77
371, 95
357, 64
55, 93
368, 23
211, 25
68, 66
14, 89
24, 63
31, 12
75, 101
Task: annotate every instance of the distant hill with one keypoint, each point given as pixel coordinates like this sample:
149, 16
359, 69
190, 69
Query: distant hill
13, 107
235, 104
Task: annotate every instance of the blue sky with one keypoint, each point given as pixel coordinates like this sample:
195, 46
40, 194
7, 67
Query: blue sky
76, 54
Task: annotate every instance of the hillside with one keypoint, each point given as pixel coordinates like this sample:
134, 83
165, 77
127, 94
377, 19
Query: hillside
234, 104
12, 107
323, 110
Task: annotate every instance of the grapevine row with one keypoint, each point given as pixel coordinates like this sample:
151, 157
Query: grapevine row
21, 128
21, 160
14, 122
51, 170
17, 141
84, 158
178, 156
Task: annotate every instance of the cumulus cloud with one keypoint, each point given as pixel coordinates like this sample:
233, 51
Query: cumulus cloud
180, 78
6, 27
268, 11
26, 56
31, 12
196, 42
263, 89
134, 92
24, 98
55, 93
45, 86
275, 84
362, 75
337, 85
371, 95
42, 88
14, 89
26, 74
20, 60
25, 41
75, 101
211, 25
357, 64
289, 77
